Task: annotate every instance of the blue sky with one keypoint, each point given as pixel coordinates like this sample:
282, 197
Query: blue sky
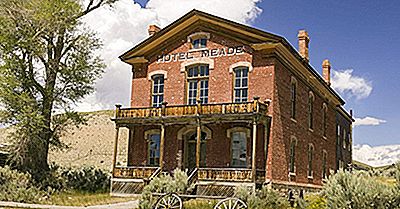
357, 35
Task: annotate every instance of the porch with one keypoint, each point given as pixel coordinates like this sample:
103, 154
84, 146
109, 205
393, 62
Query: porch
203, 139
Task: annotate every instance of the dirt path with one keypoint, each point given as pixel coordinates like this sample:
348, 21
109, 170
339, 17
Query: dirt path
123, 205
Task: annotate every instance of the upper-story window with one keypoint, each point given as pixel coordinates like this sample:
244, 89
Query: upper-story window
344, 135
158, 90
311, 110
199, 43
293, 89
197, 81
324, 118
241, 84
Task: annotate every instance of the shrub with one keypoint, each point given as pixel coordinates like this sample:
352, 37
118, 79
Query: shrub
346, 190
163, 184
18, 187
86, 179
262, 199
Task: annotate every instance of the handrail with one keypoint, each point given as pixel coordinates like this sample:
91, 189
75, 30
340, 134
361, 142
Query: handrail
155, 173
192, 177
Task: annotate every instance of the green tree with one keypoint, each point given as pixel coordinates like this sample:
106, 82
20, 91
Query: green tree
47, 64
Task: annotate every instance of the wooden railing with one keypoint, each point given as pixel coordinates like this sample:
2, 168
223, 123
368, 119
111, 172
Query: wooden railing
135, 172
225, 174
193, 110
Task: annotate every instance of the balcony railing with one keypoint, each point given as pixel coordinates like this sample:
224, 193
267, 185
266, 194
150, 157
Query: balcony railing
193, 110
225, 174
135, 172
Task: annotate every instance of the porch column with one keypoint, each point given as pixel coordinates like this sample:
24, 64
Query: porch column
253, 155
115, 146
162, 139
198, 143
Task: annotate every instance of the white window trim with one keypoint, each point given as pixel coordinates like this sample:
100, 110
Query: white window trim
240, 64
157, 72
197, 61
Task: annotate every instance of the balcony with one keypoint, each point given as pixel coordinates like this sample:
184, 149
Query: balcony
181, 113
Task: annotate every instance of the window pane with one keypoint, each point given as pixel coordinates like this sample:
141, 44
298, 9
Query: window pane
203, 42
239, 152
154, 149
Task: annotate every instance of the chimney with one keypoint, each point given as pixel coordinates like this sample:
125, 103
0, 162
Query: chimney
153, 29
303, 44
326, 71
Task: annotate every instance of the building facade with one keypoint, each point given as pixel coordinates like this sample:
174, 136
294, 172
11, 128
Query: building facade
230, 105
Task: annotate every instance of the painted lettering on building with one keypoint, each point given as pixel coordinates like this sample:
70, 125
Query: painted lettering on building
182, 56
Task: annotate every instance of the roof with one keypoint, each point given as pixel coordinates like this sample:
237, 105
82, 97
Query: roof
254, 35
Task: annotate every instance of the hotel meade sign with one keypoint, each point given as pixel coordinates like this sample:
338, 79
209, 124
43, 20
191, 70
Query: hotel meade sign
219, 52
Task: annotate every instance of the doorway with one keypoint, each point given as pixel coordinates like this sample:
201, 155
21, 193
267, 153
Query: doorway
190, 151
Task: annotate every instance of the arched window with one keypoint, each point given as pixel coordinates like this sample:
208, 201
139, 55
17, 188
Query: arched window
292, 156
199, 40
241, 84
197, 84
239, 149
153, 138
310, 110
310, 160
157, 90
293, 92
324, 167
324, 119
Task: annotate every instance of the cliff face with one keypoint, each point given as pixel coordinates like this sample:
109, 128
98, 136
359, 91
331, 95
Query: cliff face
90, 145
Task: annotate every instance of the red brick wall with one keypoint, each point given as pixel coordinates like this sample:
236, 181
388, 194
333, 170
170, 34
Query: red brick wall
283, 128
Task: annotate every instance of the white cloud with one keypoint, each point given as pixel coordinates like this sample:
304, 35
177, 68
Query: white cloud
351, 85
125, 24
368, 121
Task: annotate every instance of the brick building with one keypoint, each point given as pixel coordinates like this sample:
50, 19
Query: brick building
230, 105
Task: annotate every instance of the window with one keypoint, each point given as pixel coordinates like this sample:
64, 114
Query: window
310, 110
197, 77
199, 43
310, 160
293, 98
324, 118
239, 149
324, 157
158, 90
154, 150
344, 143
241, 84
292, 155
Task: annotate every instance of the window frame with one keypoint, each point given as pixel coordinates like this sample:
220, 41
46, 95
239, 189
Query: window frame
310, 110
324, 119
158, 94
293, 97
148, 138
199, 80
324, 164
241, 88
292, 156
310, 159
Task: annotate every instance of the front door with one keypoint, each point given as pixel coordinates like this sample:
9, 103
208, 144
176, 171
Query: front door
190, 151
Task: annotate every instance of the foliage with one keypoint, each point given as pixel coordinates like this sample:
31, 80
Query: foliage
87, 179
47, 64
358, 190
178, 183
200, 204
17, 186
265, 198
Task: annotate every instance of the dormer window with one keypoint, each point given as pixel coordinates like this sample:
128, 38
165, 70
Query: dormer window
199, 43
198, 40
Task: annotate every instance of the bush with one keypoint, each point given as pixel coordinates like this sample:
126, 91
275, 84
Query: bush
163, 184
18, 187
86, 179
262, 199
346, 190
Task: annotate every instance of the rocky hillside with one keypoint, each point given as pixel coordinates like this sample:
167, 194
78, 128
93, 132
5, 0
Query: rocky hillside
90, 145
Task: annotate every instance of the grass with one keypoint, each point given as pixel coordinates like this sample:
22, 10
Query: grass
72, 198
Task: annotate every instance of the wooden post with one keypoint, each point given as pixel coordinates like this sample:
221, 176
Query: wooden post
162, 137
198, 141
162, 140
115, 147
253, 155
117, 110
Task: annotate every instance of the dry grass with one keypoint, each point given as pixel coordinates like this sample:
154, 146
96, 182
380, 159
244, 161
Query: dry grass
84, 199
